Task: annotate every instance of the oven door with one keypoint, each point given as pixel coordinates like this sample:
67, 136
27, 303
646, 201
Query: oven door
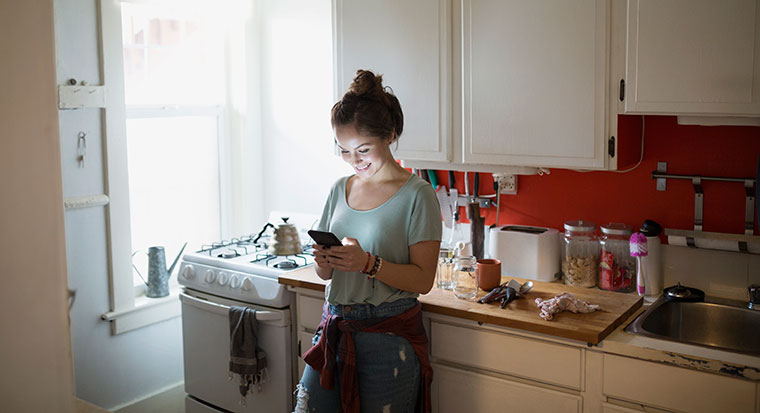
206, 343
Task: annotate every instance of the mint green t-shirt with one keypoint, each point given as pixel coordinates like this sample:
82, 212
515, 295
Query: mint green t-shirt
410, 216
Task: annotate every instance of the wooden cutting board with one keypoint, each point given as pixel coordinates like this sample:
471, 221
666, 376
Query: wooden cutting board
522, 313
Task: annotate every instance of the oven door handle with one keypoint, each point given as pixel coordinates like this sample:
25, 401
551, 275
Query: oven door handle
224, 310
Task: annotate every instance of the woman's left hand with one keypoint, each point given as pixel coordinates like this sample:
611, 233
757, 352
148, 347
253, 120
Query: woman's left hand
349, 257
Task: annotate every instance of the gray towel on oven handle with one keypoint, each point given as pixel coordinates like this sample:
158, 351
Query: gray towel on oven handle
247, 361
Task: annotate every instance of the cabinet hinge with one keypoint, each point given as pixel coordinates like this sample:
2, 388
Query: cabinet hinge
611, 147
622, 89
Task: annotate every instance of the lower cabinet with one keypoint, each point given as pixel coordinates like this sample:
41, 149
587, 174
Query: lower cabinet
455, 390
675, 388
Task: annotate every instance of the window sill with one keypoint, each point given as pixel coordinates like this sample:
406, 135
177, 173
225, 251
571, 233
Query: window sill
146, 311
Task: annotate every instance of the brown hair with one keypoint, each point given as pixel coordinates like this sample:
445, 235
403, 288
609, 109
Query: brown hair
372, 109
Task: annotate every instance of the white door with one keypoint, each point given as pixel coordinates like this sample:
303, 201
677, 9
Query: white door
206, 343
693, 57
534, 76
408, 43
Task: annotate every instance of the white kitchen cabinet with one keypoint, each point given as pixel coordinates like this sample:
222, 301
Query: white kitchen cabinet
693, 57
675, 388
308, 316
408, 43
526, 83
534, 82
457, 391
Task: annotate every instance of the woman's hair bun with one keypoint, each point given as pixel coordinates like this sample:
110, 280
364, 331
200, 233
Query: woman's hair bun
367, 83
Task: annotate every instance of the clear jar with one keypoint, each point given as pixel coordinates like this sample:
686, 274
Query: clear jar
444, 274
617, 269
466, 277
580, 253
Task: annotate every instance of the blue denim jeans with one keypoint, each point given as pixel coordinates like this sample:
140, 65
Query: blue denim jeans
386, 366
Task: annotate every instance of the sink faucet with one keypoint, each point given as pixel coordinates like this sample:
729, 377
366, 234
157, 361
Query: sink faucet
754, 296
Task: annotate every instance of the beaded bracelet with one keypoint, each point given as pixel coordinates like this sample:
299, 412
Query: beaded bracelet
366, 266
375, 267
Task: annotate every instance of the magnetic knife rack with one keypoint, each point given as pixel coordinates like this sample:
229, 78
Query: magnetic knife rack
661, 176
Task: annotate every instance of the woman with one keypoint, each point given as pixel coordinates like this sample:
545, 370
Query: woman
390, 224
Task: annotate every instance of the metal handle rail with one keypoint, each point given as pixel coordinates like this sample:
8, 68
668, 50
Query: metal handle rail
224, 310
661, 175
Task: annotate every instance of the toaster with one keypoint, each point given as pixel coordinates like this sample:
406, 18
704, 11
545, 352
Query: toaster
526, 251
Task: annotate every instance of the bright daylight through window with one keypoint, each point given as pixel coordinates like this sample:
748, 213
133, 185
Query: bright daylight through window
174, 92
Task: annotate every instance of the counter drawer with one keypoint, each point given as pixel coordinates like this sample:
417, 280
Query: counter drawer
309, 311
675, 388
504, 353
456, 390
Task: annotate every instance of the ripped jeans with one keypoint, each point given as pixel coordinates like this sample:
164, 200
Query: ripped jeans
386, 366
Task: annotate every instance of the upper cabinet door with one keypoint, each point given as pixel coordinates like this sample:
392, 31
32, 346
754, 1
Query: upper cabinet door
699, 57
408, 43
534, 76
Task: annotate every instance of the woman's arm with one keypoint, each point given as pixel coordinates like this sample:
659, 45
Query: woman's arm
417, 276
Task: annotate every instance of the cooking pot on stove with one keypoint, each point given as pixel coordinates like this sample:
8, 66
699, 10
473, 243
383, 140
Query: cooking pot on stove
285, 240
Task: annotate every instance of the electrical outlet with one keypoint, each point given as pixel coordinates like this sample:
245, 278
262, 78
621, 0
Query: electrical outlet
507, 183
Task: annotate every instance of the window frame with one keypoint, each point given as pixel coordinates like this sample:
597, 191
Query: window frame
130, 308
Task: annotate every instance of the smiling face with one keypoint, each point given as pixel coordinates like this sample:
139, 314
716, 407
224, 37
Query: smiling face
366, 154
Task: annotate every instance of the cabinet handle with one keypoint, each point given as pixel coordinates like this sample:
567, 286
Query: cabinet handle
622, 89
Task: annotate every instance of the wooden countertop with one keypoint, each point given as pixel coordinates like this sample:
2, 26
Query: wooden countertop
521, 313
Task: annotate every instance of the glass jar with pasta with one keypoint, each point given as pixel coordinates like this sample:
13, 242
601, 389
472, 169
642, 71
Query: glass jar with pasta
580, 253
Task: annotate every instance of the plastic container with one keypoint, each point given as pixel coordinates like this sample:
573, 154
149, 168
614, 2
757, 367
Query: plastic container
652, 263
465, 277
617, 269
580, 253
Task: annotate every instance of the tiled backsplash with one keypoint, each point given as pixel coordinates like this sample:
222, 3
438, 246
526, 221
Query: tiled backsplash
717, 273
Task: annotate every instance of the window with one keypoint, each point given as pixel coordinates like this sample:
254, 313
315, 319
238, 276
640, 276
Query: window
170, 116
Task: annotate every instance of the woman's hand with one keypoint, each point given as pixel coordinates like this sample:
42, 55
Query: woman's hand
348, 257
321, 256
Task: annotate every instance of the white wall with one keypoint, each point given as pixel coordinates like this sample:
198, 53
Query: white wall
109, 371
35, 353
297, 95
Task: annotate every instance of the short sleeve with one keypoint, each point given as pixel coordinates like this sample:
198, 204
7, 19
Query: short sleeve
425, 221
329, 208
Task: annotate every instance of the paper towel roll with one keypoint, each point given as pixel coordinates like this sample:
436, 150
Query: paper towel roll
714, 244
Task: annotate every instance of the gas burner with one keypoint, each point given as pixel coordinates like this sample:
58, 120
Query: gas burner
228, 254
286, 265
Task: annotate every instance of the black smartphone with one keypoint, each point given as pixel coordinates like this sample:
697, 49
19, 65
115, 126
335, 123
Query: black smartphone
328, 239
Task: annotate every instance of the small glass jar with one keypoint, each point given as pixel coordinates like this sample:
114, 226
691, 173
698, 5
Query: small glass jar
466, 277
580, 253
617, 269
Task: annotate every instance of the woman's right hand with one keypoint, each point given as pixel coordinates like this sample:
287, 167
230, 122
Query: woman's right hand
323, 268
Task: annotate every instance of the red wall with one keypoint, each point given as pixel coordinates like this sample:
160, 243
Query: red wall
631, 197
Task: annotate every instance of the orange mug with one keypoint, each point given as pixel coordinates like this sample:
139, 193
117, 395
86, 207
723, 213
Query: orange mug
489, 274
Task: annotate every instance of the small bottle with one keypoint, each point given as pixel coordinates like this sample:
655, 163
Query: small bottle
466, 277
617, 269
652, 263
580, 253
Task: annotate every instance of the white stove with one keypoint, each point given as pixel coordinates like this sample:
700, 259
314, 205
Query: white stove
240, 272
242, 269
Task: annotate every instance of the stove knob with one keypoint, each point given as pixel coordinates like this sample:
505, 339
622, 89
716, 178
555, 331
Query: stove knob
234, 282
247, 284
188, 272
210, 276
223, 277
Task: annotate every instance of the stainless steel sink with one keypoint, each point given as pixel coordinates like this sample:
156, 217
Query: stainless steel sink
718, 326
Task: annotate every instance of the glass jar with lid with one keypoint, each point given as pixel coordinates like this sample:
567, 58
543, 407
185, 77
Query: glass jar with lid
617, 269
465, 277
580, 253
